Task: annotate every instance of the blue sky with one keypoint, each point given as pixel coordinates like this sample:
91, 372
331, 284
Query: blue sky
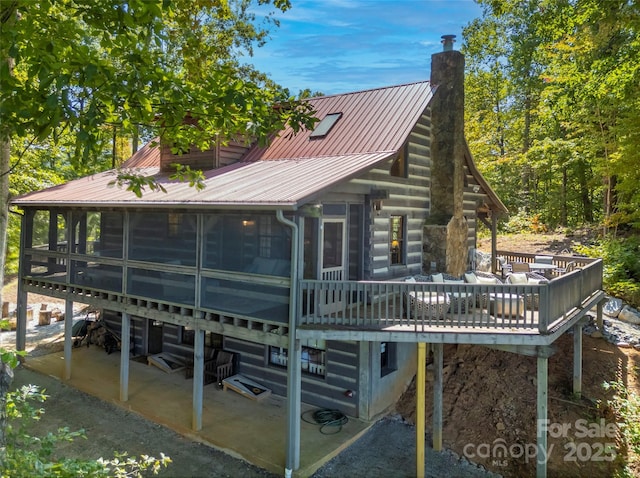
337, 46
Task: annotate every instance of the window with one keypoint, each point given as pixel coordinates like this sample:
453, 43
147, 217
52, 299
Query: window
186, 336
387, 358
396, 240
174, 222
323, 128
312, 358
399, 168
332, 252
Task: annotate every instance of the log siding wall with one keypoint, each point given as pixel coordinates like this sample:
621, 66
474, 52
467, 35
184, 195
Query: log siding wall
409, 197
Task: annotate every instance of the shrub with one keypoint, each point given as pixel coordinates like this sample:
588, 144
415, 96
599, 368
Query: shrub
621, 266
625, 405
24, 455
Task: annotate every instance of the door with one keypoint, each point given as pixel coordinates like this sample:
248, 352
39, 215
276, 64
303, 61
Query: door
154, 337
333, 263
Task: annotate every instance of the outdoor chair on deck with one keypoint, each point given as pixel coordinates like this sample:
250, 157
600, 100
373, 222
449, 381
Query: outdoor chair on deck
543, 259
459, 302
217, 367
531, 300
425, 304
570, 267
479, 277
520, 267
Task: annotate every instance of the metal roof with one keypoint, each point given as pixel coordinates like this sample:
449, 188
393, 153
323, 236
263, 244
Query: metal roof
291, 171
284, 184
146, 157
372, 120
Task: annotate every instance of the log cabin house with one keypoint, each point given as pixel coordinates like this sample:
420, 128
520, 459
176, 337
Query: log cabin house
294, 253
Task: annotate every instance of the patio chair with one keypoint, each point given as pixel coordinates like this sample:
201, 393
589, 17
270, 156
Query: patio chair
531, 300
480, 277
426, 304
218, 368
520, 267
543, 259
570, 267
459, 302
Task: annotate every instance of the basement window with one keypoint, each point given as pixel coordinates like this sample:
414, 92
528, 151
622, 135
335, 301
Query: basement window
323, 128
312, 359
388, 362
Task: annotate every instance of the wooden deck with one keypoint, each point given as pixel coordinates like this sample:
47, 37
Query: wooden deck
502, 313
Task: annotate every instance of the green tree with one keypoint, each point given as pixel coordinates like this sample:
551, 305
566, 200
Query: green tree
567, 77
71, 68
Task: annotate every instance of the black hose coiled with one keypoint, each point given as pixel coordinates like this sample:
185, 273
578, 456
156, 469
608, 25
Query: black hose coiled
330, 421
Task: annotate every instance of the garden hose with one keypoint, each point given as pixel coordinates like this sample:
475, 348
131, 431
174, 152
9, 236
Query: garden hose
330, 420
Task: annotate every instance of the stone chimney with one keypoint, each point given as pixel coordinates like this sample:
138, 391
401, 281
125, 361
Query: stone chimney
447, 128
447, 164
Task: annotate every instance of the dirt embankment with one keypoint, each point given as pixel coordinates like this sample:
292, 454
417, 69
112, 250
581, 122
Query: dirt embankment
489, 396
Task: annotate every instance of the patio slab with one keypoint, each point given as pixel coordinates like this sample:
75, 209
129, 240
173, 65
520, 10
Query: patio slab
247, 429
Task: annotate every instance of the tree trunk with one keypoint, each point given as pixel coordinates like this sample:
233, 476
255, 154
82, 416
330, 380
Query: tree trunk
5, 150
564, 217
6, 373
585, 196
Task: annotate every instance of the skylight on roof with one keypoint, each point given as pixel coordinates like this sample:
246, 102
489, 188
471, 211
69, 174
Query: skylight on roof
325, 125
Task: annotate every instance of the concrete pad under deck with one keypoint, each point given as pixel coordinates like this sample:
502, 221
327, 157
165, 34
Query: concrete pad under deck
247, 429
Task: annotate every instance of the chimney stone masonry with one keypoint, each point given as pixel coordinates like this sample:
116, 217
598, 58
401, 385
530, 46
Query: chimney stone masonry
447, 129
447, 162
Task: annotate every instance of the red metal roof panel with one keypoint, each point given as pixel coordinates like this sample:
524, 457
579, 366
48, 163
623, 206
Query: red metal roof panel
374, 126
286, 183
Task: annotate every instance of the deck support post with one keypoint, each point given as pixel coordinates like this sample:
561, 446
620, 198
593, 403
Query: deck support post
577, 360
26, 233
599, 320
494, 243
438, 363
68, 341
125, 334
542, 411
420, 408
294, 392
21, 318
198, 379
294, 366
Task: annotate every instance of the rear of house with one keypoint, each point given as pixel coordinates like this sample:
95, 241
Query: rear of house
355, 196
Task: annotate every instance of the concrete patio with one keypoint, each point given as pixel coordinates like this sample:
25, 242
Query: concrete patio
251, 430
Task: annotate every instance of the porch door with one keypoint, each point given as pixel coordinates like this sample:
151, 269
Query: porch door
333, 260
154, 337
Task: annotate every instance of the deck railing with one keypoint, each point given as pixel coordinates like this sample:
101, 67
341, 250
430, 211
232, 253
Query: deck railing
372, 305
400, 305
